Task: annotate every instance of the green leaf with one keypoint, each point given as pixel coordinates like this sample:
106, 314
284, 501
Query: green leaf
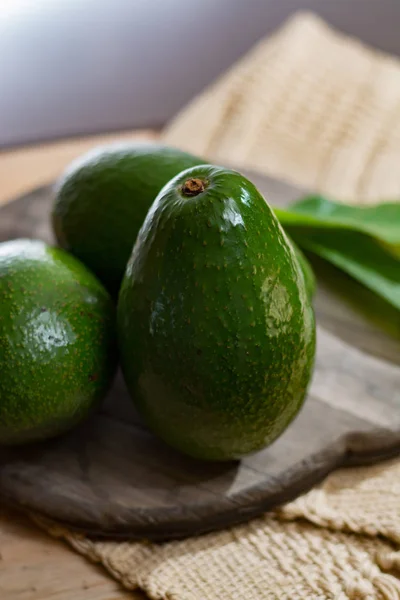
359, 307
358, 255
381, 221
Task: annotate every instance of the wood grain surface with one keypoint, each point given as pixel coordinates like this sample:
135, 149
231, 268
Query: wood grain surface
34, 566
111, 476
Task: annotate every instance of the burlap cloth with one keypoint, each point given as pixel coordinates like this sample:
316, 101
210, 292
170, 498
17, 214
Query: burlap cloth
318, 109
307, 105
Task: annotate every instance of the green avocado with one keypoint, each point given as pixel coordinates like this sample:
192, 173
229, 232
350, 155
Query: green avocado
102, 200
215, 326
308, 273
57, 341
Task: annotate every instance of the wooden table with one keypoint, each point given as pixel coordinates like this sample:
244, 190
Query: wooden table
34, 566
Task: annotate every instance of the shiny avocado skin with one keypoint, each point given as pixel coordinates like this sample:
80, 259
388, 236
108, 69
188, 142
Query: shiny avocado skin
102, 200
307, 271
57, 341
216, 329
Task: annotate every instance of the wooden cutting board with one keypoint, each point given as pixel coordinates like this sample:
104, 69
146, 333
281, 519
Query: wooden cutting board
110, 476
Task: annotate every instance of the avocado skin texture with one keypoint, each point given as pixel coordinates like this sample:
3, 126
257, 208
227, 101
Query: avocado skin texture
308, 273
57, 341
216, 330
102, 200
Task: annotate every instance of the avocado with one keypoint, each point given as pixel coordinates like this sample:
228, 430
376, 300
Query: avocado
57, 341
215, 326
102, 200
308, 273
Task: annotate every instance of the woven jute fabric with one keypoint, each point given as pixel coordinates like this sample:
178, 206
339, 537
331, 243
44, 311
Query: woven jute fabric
339, 541
308, 105
320, 110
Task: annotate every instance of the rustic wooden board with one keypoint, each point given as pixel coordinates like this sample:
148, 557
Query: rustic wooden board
111, 476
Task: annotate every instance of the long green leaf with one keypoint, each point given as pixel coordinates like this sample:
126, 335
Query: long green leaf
381, 222
356, 254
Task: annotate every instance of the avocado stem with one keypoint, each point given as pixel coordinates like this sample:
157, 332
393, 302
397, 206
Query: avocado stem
193, 187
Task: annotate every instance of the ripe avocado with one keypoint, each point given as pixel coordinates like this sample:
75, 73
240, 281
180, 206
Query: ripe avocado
308, 274
215, 326
57, 341
102, 200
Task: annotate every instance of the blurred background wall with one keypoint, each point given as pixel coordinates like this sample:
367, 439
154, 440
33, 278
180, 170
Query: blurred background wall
71, 67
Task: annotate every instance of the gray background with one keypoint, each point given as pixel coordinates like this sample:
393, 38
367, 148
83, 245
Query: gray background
84, 66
